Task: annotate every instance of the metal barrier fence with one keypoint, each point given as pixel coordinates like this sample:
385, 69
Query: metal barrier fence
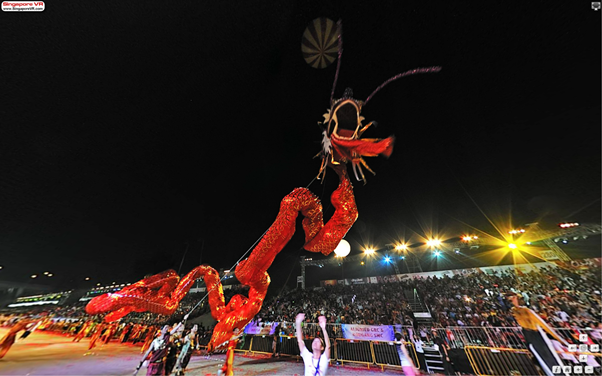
385, 354
458, 337
371, 353
354, 352
495, 351
500, 351
500, 362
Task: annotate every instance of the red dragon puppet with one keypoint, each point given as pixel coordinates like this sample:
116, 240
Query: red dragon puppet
341, 144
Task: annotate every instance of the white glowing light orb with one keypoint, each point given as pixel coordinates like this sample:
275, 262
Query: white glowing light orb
342, 249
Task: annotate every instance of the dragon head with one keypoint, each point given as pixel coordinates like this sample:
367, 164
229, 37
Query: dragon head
341, 137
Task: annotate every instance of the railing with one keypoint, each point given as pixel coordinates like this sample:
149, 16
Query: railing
495, 351
500, 362
458, 337
370, 353
500, 351
489, 350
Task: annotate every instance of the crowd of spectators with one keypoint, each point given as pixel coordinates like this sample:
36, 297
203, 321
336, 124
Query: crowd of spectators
369, 304
566, 297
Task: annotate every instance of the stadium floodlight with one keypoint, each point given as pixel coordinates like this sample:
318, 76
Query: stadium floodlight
401, 247
369, 251
433, 242
568, 225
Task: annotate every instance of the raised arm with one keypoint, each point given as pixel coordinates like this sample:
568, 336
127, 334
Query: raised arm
177, 327
322, 323
298, 320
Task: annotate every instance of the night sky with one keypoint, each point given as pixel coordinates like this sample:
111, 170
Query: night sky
129, 131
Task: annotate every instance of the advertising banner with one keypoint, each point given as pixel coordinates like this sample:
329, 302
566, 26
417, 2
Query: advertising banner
368, 332
261, 330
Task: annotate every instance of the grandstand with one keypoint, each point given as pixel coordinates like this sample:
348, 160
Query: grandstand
468, 310
57, 298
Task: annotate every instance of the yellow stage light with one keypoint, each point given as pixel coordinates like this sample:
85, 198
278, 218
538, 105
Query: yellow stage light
433, 242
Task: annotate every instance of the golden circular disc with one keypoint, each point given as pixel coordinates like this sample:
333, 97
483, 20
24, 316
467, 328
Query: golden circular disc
319, 44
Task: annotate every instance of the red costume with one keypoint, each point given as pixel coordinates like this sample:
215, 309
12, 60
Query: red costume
9, 339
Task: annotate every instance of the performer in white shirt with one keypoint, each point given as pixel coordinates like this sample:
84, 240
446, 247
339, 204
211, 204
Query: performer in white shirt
316, 362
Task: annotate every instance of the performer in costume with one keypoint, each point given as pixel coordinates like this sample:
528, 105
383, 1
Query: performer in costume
534, 331
315, 362
99, 330
140, 333
83, 331
108, 334
173, 352
156, 355
152, 332
188, 346
125, 333
228, 367
30, 329
9, 339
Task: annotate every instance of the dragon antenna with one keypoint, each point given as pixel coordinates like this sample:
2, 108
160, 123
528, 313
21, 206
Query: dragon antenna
404, 74
336, 75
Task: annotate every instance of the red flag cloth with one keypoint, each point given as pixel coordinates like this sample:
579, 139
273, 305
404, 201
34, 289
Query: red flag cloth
369, 147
